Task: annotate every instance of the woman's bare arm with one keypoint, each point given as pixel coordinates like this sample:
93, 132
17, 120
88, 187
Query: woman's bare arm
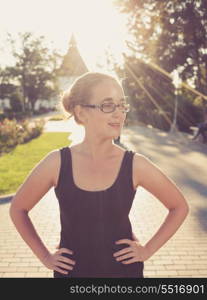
36, 185
151, 178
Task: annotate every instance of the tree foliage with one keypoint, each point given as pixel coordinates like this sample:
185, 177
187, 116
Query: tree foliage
171, 34
34, 70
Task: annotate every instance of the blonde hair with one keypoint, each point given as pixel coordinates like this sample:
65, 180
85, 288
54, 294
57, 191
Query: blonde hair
80, 92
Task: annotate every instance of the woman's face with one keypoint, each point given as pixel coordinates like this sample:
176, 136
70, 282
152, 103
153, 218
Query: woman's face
105, 125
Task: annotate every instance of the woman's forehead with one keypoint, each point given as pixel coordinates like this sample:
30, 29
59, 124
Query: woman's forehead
108, 91
111, 99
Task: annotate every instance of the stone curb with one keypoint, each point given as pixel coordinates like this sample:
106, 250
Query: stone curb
6, 198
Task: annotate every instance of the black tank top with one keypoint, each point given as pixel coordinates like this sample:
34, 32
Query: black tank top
91, 222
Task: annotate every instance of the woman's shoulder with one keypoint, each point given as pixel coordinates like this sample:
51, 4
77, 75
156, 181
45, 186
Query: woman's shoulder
53, 155
53, 162
140, 160
52, 159
140, 165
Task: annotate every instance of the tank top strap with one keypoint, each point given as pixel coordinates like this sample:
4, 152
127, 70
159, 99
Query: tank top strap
65, 166
126, 172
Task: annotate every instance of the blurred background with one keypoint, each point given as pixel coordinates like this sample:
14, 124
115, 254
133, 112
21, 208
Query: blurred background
157, 48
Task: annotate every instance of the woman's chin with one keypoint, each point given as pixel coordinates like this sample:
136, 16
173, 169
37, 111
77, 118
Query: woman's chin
113, 135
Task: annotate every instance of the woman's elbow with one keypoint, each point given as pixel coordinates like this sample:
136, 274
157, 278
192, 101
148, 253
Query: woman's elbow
15, 211
183, 209
12, 212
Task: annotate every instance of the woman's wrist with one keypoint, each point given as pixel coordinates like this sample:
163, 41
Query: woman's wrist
43, 256
149, 249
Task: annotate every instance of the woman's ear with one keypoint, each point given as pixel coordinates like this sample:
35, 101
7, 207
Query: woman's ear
81, 114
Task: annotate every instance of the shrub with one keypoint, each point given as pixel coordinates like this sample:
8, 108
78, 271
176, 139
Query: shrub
13, 133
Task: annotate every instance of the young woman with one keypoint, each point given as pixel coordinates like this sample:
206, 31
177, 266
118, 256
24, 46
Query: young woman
95, 182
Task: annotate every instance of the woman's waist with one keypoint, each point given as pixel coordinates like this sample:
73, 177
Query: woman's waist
97, 231
95, 245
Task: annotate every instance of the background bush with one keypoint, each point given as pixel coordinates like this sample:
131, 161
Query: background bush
13, 133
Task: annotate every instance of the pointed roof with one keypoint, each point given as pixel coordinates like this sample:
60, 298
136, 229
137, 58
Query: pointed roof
72, 42
73, 64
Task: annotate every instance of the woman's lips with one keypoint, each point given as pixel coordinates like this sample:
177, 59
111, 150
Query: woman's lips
114, 125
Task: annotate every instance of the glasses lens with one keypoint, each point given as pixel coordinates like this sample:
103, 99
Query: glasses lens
108, 107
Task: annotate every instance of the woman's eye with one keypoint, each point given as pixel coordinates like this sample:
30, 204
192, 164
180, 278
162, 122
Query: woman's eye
108, 105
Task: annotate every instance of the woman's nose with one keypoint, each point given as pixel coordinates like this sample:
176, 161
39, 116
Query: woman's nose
117, 110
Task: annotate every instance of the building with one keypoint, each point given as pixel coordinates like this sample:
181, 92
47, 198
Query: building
71, 67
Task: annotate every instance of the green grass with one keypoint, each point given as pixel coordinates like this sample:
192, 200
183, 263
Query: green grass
57, 118
15, 166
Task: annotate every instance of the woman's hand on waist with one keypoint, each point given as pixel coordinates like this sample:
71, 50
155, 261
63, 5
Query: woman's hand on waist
58, 261
134, 253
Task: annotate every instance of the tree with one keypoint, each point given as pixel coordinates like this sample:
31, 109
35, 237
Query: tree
34, 70
171, 34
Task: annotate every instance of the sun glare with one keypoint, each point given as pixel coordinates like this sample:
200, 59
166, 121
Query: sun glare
96, 24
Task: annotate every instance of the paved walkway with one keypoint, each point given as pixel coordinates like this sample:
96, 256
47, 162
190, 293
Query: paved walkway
185, 255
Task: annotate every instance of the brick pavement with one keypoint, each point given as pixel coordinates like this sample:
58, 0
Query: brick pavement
185, 255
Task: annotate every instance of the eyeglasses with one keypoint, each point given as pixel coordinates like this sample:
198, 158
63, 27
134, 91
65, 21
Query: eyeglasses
109, 107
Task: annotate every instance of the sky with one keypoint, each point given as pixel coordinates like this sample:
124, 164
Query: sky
96, 24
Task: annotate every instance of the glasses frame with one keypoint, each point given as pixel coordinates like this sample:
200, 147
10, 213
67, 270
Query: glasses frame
100, 106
